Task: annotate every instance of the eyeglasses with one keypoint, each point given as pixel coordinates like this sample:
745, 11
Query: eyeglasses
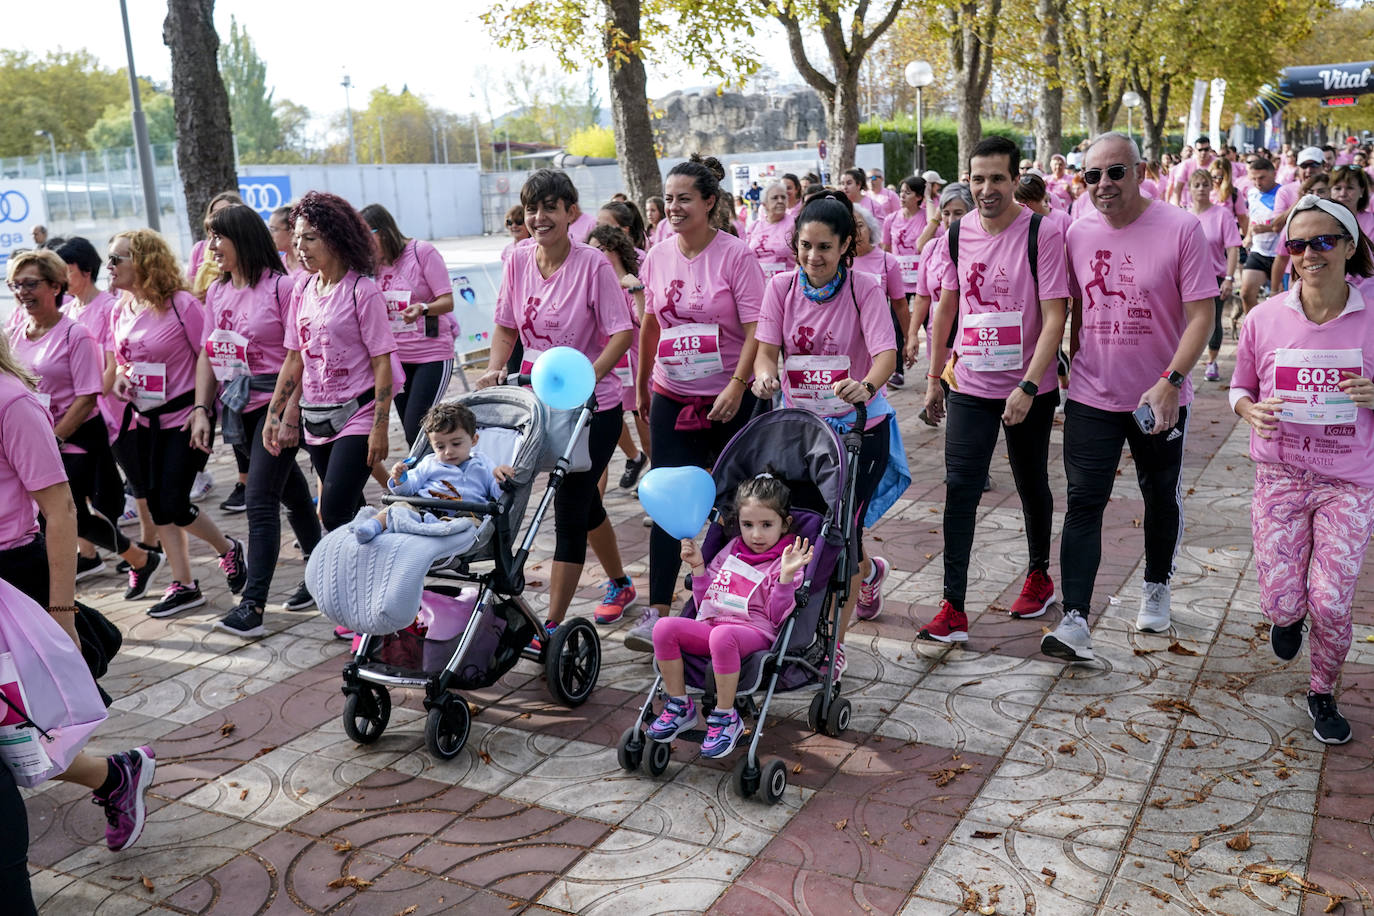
510, 223
27, 286
1114, 172
113, 260
1317, 242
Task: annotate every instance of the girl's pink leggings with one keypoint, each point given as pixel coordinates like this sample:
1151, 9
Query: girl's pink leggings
725, 643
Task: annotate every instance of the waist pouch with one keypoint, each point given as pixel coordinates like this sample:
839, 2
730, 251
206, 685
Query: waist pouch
326, 421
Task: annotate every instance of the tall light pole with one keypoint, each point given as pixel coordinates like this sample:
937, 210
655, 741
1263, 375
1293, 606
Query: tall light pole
1132, 101
348, 106
52, 144
919, 75
152, 210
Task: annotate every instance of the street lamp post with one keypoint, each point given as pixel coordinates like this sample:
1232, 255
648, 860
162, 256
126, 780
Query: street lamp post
1132, 101
153, 210
352, 142
919, 75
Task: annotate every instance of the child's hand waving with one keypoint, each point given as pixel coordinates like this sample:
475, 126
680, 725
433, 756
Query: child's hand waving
794, 557
691, 555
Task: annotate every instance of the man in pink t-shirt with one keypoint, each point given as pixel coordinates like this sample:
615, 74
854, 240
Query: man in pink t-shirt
1142, 285
1311, 161
1007, 322
1202, 158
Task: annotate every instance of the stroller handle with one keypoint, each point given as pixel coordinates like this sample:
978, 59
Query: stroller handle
475, 507
524, 380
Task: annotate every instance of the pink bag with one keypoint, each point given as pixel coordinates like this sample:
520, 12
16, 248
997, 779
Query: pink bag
49, 705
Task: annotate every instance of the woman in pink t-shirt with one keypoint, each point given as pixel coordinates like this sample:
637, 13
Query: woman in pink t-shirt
1223, 244
70, 369
883, 266
1302, 382
201, 269
955, 201
419, 295
562, 293
903, 228
653, 218
338, 367
156, 328
626, 252
242, 350
1350, 186
851, 184
770, 237
696, 347
832, 328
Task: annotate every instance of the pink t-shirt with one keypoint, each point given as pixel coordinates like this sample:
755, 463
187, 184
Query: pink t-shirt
1236, 206
259, 315
1184, 171
580, 228
1061, 219
580, 305
900, 235
1082, 207
94, 316
663, 230
67, 361
1150, 188
1365, 219
197, 258
1133, 283
29, 461
772, 244
337, 341
883, 203
855, 325
1344, 451
1222, 233
1059, 186
1287, 196
933, 258
702, 306
421, 270
883, 267
993, 282
158, 349
1286, 173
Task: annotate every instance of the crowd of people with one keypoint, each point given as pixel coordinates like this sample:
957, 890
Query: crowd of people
1090, 289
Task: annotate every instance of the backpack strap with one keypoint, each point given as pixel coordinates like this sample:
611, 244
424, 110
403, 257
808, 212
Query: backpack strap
1033, 251
954, 259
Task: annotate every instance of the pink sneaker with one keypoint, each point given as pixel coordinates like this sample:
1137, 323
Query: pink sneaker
871, 592
618, 600
126, 806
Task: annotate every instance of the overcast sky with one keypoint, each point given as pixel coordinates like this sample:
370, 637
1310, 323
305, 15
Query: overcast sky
440, 49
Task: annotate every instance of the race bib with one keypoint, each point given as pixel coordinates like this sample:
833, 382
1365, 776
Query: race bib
527, 360
397, 301
811, 384
690, 351
622, 371
772, 268
991, 341
910, 265
729, 592
228, 352
21, 747
149, 382
1309, 380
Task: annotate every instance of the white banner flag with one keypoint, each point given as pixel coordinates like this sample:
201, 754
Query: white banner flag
1194, 128
1214, 115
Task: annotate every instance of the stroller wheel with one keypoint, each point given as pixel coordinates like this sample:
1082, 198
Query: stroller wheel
630, 753
573, 661
838, 719
366, 713
446, 728
746, 777
774, 781
814, 720
660, 755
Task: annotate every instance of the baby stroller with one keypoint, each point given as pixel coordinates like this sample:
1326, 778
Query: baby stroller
378, 590
819, 467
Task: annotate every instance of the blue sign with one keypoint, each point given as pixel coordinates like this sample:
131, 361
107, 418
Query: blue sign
265, 193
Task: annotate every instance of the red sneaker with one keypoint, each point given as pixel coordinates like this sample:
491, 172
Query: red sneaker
1036, 595
948, 626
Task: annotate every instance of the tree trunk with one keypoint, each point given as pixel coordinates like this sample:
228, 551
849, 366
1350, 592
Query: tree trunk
1155, 117
634, 134
205, 135
1049, 129
971, 52
842, 119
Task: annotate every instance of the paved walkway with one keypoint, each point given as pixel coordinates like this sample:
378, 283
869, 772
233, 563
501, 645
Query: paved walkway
1177, 775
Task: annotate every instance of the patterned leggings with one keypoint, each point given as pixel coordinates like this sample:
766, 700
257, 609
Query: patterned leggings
1310, 535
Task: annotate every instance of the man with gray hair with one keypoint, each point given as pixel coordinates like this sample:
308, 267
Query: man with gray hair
1141, 286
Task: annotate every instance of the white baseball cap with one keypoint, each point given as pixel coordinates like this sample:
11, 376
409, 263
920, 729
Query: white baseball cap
932, 176
1312, 154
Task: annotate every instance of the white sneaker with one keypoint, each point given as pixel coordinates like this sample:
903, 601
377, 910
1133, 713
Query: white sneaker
640, 637
1071, 640
1154, 608
204, 483
130, 516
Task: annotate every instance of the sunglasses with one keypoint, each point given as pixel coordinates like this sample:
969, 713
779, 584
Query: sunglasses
1114, 172
114, 259
510, 223
27, 286
1317, 242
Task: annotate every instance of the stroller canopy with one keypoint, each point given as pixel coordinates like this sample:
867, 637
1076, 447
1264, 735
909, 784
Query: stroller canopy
791, 444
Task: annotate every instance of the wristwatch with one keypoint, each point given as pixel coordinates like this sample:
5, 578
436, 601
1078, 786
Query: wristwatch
424, 308
869, 387
1029, 387
1174, 377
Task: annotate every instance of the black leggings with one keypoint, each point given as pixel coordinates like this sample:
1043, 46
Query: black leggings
125, 453
342, 465
873, 455
577, 507
1092, 452
94, 479
167, 467
1215, 342
426, 385
273, 481
26, 568
675, 448
970, 441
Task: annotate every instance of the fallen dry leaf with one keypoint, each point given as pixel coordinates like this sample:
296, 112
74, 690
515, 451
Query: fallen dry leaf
1145, 651
121, 877
408, 910
1156, 892
1068, 747
1240, 843
1173, 704
1095, 712
842, 823
1177, 648
1161, 801
345, 846
1137, 735
226, 729
986, 834
243, 795
1050, 874
484, 756
350, 881
1116, 747
148, 884
1187, 743
1217, 891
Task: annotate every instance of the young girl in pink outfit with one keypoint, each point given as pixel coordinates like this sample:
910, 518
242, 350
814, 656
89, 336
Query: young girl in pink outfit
1302, 381
742, 597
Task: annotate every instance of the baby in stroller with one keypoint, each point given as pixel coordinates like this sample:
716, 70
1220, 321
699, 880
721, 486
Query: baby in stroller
742, 596
450, 471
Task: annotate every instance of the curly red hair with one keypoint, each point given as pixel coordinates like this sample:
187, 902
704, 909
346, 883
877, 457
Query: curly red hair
340, 227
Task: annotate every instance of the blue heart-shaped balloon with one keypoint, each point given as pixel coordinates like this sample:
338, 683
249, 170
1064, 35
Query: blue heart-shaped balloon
563, 378
679, 500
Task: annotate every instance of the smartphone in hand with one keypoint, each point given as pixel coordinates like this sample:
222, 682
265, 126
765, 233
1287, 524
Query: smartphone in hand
1144, 418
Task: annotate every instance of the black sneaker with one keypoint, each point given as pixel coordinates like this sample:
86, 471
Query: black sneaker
300, 599
235, 570
88, 566
176, 599
633, 468
244, 620
1331, 727
237, 501
1287, 640
140, 579
123, 567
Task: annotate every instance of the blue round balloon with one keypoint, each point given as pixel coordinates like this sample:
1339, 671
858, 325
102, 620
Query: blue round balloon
679, 500
563, 378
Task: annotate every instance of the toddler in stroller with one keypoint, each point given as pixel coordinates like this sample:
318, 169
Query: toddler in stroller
742, 596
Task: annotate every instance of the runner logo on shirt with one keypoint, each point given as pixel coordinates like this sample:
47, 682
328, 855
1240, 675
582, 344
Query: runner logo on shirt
531, 313
803, 342
1101, 268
